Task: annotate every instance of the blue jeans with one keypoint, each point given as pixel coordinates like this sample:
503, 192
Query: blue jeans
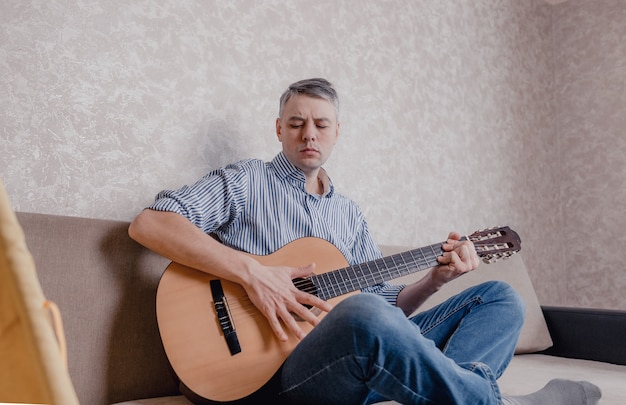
366, 351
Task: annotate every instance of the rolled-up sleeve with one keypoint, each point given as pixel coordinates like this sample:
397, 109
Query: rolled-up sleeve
386, 290
212, 201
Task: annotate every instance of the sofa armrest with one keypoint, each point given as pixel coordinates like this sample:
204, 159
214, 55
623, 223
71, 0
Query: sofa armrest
589, 334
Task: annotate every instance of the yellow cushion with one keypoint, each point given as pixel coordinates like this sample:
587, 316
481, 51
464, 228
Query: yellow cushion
33, 368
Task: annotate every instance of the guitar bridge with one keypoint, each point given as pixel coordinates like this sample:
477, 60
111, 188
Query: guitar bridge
224, 318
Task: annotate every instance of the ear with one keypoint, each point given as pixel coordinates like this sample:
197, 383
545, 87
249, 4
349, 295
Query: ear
337, 131
278, 130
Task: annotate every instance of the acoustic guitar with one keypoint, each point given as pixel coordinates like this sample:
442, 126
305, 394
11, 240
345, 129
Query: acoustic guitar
223, 349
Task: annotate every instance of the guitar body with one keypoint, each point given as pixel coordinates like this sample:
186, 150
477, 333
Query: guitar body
193, 337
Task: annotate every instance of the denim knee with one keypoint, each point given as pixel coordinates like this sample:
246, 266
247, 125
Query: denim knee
362, 306
502, 292
368, 313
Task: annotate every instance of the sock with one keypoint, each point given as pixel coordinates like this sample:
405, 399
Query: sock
557, 391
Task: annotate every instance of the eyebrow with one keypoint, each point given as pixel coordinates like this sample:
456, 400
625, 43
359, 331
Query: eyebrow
298, 118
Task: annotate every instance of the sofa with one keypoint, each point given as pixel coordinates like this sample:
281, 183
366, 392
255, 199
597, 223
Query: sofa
104, 285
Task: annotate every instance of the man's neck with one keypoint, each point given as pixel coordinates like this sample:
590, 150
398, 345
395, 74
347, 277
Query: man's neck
313, 184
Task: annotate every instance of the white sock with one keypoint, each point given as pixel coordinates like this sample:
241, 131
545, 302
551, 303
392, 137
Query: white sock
557, 391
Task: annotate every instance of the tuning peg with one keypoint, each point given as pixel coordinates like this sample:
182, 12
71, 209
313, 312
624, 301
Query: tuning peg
489, 259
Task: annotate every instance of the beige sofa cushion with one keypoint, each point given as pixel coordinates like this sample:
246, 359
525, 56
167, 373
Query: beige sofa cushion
530, 372
535, 336
104, 284
33, 368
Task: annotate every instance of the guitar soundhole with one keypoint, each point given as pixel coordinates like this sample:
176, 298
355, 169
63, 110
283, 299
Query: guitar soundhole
306, 285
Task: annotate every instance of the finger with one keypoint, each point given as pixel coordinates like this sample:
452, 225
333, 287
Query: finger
278, 328
468, 254
444, 258
474, 254
457, 263
305, 314
289, 320
454, 236
447, 257
466, 259
454, 260
312, 300
452, 241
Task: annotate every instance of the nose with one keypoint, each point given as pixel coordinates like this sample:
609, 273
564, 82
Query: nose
309, 132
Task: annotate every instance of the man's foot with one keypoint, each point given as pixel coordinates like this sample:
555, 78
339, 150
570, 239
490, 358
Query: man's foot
557, 391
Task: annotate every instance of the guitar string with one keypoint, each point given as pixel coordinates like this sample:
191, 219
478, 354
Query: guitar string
243, 305
428, 259
370, 278
389, 264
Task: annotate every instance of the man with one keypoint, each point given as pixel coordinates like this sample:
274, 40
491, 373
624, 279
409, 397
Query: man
365, 349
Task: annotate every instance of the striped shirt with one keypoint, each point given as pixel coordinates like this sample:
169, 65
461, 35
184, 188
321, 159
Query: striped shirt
259, 207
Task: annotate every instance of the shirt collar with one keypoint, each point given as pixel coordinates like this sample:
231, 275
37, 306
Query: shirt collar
285, 169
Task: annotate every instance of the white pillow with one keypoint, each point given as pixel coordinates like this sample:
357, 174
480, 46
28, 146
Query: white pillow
534, 336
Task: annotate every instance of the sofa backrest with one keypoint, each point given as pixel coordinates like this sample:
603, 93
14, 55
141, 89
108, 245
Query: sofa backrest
104, 284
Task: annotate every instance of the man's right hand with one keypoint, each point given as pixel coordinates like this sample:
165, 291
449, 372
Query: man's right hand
272, 291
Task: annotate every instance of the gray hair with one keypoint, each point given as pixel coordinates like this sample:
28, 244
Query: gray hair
317, 88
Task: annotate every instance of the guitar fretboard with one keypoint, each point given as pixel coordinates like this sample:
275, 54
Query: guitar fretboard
352, 278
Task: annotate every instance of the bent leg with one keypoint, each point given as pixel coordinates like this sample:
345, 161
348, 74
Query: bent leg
365, 345
480, 324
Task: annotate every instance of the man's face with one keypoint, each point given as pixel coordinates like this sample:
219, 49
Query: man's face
308, 130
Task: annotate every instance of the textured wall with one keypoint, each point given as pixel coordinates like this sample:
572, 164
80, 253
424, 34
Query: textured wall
448, 111
590, 58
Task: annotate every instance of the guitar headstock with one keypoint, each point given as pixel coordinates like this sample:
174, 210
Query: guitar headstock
496, 243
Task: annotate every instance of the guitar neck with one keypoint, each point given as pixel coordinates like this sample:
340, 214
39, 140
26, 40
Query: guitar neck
356, 277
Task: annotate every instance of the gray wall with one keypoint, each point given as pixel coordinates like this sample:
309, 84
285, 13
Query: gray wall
456, 115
